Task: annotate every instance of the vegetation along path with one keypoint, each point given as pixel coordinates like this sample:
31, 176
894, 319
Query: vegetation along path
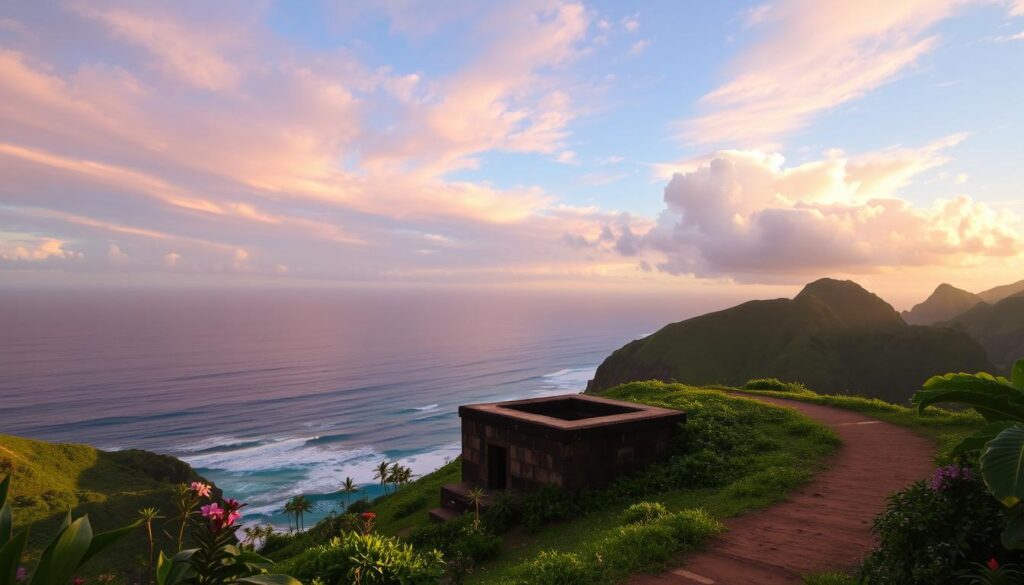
824, 526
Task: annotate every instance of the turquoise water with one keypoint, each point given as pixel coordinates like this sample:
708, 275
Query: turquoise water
272, 394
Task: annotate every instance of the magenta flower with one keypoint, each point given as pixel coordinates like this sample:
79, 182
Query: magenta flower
78, 581
21, 574
993, 565
948, 474
212, 511
200, 489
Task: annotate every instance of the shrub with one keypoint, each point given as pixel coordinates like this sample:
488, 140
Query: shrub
644, 512
556, 568
368, 558
456, 537
359, 506
626, 549
828, 578
774, 385
930, 533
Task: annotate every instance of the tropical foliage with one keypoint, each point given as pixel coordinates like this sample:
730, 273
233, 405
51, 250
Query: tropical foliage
72, 546
368, 558
1000, 442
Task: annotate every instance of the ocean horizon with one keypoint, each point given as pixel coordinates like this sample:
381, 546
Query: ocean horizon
275, 394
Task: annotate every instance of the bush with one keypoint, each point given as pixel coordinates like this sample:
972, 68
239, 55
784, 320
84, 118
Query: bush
932, 532
359, 506
457, 537
556, 568
828, 578
368, 558
629, 548
644, 512
774, 385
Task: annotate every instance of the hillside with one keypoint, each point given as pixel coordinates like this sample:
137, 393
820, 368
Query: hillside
994, 295
834, 336
945, 303
998, 327
51, 478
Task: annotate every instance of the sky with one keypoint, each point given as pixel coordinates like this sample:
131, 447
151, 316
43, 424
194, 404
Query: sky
631, 147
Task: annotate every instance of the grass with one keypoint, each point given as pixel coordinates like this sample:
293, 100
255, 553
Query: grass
944, 427
787, 449
51, 478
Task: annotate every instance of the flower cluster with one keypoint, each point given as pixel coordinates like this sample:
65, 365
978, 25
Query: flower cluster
368, 519
21, 574
222, 517
200, 489
948, 474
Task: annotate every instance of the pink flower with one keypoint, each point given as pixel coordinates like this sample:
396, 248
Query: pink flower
200, 489
212, 511
21, 574
78, 581
993, 565
232, 516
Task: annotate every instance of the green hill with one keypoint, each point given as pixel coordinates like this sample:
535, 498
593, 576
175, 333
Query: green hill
51, 478
945, 303
834, 336
998, 327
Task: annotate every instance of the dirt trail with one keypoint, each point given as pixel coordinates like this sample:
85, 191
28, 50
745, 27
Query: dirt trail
824, 526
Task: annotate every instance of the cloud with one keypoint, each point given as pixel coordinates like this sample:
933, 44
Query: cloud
34, 249
811, 57
640, 46
631, 23
745, 214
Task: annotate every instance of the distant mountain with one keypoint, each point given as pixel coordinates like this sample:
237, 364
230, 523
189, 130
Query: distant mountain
834, 336
994, 295
945, 303
998, 327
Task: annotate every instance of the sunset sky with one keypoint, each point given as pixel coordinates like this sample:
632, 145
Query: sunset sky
519, 144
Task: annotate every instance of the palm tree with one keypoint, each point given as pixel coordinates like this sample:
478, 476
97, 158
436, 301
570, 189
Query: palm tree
382, 472
476, 497
289, 508
395, 474
349, 487
302, 505
147, 515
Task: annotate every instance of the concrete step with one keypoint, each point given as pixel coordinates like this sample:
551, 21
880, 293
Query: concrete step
442, 515
455, 497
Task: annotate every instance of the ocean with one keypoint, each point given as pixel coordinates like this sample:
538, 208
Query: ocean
276, 393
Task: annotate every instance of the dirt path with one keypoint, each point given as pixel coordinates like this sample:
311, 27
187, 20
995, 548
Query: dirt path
824, 526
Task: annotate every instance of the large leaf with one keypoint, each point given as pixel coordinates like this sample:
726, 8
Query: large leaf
1002, 466
60, 560
6, 516
10, 557
105, 539
269, 580
1017, 375
175, 569
981, 437
1013, 535
995, 398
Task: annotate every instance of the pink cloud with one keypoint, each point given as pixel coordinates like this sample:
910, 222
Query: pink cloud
811, 57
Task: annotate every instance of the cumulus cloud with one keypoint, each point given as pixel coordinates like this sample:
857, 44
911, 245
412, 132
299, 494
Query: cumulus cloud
746, 214
811, 57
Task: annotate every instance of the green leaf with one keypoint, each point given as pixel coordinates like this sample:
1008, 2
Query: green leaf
1017, 375
174, 570
10, 557
981, 437
1013, 535
105, 539
62, 558
1002, 466
995, 398
6, 523
4, 486
269, 580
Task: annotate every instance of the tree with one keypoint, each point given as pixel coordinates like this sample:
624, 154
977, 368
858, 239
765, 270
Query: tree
476, 497
147, 515
1000, 441
383, 472
302, 505
289, 509
349, 487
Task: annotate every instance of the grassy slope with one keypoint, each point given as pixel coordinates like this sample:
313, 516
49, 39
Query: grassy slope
794, 448
50, 479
